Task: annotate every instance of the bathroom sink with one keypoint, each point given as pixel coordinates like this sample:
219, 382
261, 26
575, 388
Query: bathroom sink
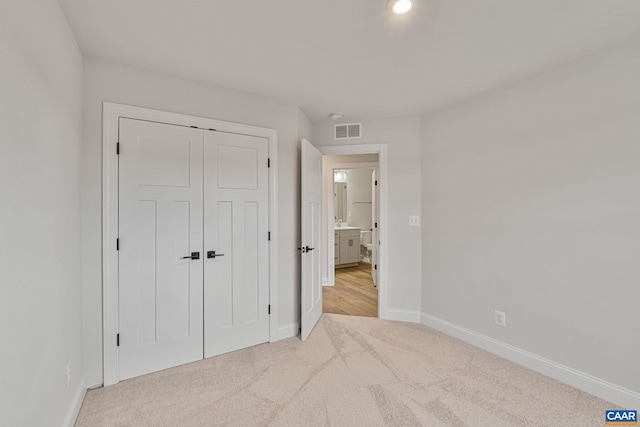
346, 227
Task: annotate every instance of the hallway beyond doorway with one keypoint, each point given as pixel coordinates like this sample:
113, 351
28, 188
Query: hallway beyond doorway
353, 293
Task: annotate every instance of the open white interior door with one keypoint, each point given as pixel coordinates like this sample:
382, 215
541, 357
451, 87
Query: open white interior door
311, 185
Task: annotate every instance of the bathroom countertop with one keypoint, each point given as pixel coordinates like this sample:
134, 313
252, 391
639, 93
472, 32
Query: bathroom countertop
346, 227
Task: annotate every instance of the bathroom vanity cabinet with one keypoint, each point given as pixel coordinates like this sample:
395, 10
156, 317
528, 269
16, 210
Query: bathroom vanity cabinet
347, 247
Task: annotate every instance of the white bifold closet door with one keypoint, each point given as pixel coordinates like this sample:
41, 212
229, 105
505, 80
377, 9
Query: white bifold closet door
160, 222
193, 258
236, 285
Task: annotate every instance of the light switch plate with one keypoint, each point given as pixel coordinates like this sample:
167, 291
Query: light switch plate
414, 220
500, 318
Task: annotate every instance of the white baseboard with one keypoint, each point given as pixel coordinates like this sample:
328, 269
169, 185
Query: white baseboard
286, 331
76, 404
410, 316
588, 383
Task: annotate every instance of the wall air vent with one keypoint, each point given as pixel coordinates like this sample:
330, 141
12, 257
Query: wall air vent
347, 131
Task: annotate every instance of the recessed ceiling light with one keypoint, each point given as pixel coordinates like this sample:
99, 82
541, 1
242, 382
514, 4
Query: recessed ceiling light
400, 7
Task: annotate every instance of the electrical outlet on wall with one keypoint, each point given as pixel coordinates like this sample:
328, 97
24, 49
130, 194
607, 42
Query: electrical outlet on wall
414, 220
501, 318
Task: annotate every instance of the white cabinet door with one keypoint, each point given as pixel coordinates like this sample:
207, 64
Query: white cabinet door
345, 250
349, 246
236, 290
160, 223
311, 295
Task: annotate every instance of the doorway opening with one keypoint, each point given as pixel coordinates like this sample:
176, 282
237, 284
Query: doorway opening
353, 211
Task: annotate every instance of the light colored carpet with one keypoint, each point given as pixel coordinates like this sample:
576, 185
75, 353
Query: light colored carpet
353, 371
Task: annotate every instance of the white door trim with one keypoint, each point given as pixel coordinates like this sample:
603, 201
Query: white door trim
111, 113
381, 151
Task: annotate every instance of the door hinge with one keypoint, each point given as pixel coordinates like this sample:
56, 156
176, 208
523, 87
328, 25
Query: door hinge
375, 267
268, 163
376, 182
194, 127
269, 236
269, 308
117, 148
117, 244
118, 340
376, 224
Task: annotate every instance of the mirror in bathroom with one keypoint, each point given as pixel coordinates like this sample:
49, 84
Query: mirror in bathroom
340, 195
340, 201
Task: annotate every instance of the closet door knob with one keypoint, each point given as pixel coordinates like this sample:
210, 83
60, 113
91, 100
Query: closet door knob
213, 254
194, 255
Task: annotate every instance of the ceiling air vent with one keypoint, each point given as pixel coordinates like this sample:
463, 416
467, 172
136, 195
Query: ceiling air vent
347, 131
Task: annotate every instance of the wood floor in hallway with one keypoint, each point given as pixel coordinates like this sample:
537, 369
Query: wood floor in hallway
353, 293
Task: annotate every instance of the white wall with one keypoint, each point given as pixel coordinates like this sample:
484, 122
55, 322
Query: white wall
358, 191
110, 82
403, 138
304, 126
40, 277
531, 205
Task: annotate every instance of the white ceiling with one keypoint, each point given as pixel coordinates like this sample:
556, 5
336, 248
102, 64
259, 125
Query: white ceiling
351, 56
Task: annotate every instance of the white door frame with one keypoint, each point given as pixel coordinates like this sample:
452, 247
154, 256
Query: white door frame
381, 151
110, 115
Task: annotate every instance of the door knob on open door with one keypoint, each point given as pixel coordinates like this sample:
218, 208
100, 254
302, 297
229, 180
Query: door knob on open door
194, 255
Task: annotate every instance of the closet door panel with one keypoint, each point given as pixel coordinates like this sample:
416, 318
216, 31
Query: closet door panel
160, 220
236, 280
